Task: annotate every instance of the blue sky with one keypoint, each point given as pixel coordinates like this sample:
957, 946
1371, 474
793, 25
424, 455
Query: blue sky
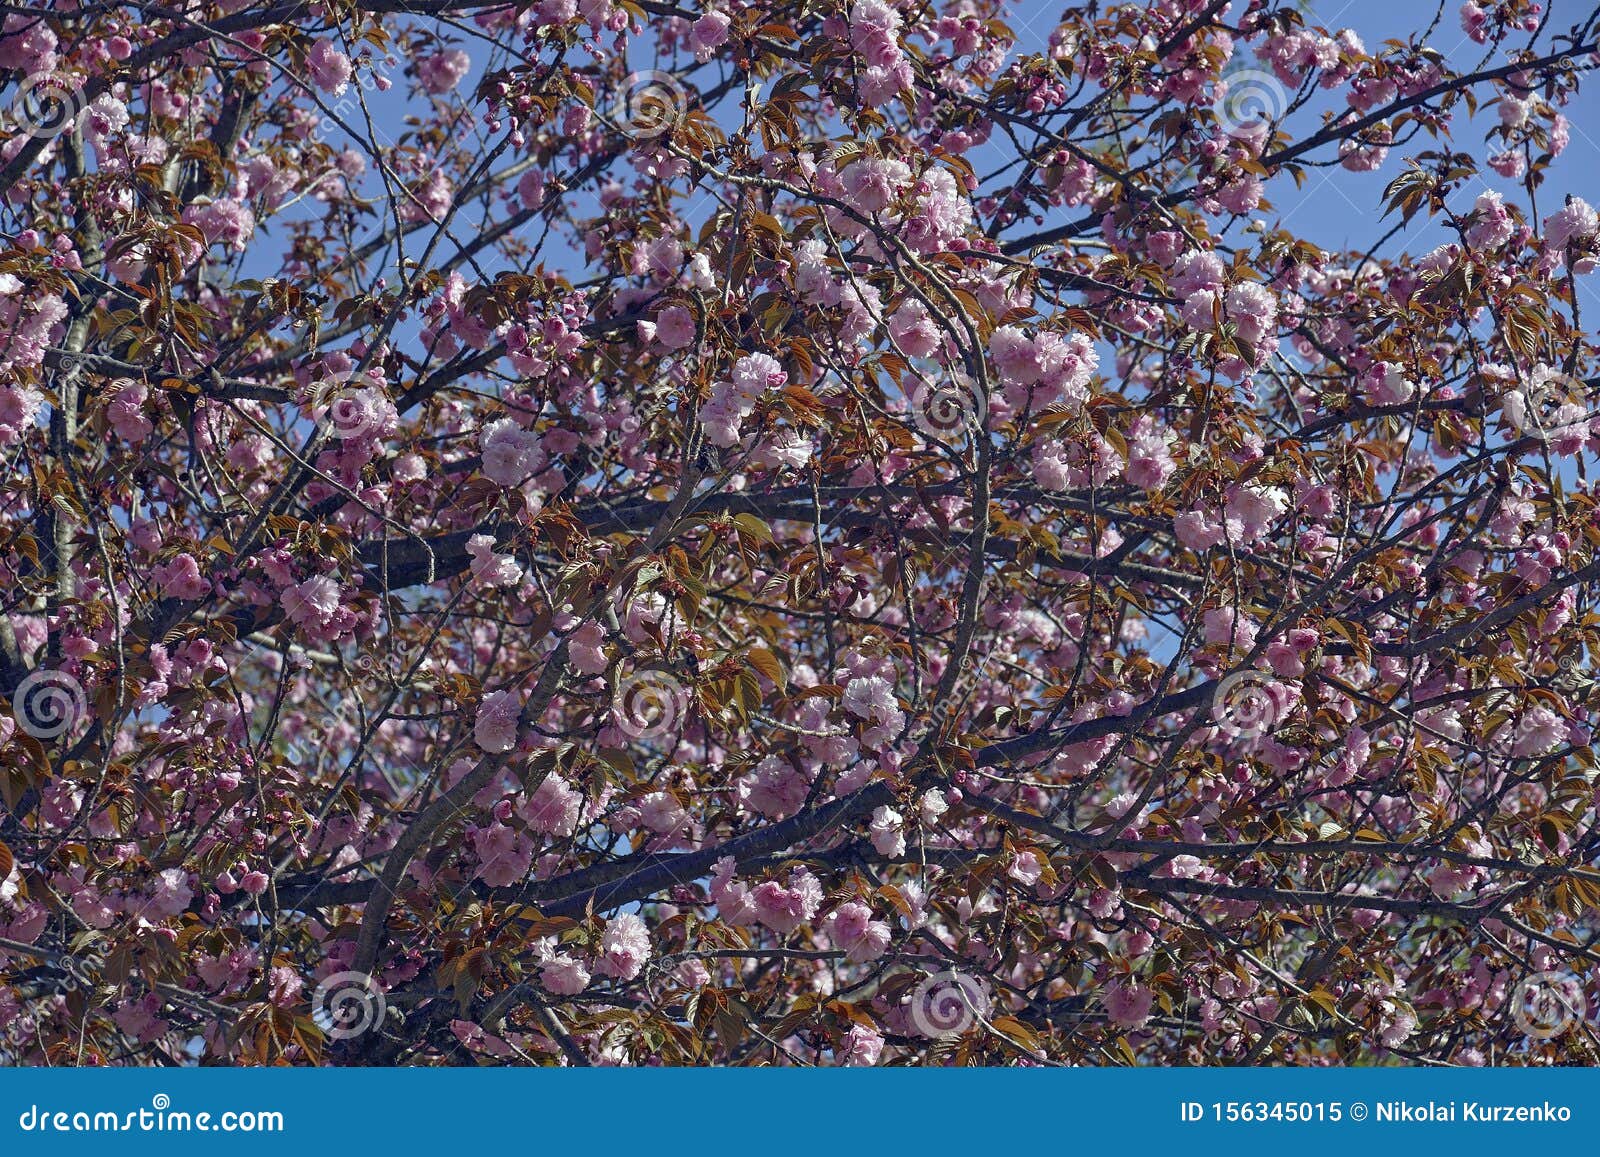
1336, 209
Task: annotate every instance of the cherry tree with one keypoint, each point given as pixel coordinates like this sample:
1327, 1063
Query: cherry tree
795, 532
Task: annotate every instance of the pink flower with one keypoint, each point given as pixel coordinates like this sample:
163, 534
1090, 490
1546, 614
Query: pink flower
490, 569
871, 698
181, 579
284, 986
1127, 1003
1492, 225
1150, 461
105, 116
1575, 224
940, 214
1251, 511
859, 1047
443, 70
435, 194
785, 909
1398, 1023
1199, 529
126, 413
561, 975
708, 33
732, 897
624, 947
661, 812
1225, 625
1285, 660
329, 68
1385, 385
755, 373
511, 455
777, 788
1241, 196
1540, 730
170, 895
224, 221
27, 325
1045, 370
888, 836
1196, 272
675, 327
851, 927
409, 468
1509, 163
586, 649
873, 182
496, 726
731, 402
1359, 158
313, 602
1164, 246
504, 855
913, 330
554, 807
1025, 869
